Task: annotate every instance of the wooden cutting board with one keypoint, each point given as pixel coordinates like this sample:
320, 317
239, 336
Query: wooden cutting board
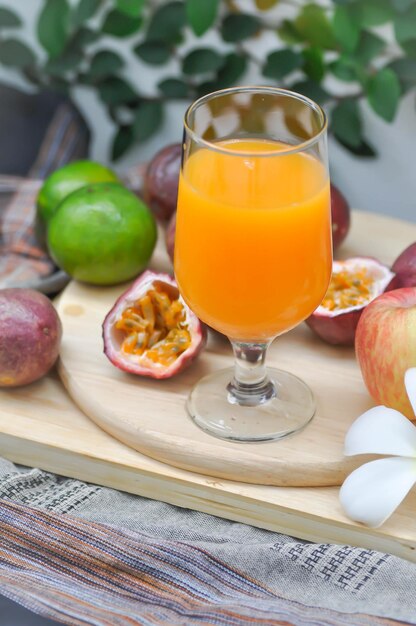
150, 415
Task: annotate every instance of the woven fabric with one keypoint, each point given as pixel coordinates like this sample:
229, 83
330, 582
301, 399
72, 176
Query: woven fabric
80, 572
82, 554
22, 261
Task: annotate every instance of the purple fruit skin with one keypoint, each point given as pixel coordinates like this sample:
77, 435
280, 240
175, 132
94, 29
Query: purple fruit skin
405, 267
338, 330
170, 237
30, 335
162, 180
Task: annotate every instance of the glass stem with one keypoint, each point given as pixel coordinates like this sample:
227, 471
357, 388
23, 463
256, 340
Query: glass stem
251, 385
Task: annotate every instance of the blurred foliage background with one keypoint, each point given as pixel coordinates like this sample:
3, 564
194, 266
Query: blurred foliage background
338, 52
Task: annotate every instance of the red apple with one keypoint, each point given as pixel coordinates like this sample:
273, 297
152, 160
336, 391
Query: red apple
385, 345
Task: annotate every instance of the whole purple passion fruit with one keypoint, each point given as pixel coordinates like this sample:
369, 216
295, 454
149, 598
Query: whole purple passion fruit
405, 267
170, 236
355, 283
161, 181
150, 331
341, 217
30, 336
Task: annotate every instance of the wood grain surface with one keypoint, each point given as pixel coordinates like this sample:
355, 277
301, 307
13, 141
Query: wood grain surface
41, 427
150, 415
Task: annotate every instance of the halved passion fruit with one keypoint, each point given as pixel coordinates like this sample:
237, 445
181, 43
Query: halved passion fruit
150, 331
355, 283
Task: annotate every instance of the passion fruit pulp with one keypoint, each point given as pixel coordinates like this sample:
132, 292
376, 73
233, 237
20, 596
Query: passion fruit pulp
150, 331
355, 283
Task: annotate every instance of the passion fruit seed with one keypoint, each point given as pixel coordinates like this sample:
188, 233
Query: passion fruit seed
348, 288
155, 326
354, 284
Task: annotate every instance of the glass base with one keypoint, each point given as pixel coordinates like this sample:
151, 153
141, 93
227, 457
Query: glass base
214, 409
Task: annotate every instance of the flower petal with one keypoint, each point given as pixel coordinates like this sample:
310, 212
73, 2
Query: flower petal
373, 491
410, 384
381, 431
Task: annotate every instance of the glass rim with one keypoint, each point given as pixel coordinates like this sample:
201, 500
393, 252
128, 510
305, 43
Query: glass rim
257, 89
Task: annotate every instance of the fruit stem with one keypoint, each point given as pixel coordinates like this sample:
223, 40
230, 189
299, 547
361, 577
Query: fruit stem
251, 385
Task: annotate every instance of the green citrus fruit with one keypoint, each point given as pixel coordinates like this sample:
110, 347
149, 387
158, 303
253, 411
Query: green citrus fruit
67, 179
102, 234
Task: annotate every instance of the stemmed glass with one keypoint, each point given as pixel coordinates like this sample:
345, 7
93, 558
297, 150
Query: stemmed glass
253, 252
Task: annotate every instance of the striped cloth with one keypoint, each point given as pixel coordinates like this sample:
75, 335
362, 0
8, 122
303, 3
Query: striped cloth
65, 138
79, 572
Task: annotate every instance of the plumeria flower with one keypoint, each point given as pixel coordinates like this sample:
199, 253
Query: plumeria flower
373, 491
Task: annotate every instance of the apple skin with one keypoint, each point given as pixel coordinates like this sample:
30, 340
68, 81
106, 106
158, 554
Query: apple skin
385, 346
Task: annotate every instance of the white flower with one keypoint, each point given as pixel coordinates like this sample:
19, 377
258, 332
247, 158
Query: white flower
373, 491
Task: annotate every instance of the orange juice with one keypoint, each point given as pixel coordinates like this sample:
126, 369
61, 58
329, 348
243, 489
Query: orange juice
253, 251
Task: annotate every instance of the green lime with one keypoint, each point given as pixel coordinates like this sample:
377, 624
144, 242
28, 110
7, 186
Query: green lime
102, 234
67, 179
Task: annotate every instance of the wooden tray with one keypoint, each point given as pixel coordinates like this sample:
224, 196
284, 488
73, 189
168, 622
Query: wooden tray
41, 427
150, 415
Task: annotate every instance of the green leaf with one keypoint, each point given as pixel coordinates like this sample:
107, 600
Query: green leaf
402, 5
167, 22
383, 92
202, 60
105, 63
132, 8
313, 24
60, 85
281, 62
174, 88
123, 140
346, 30
115, 90
153, 52
410, 48
346, 123
373, 12
14, 53
405, 25
369, 47
69, 60
147, 119
9, 19
234, 67
239, 26
405, 70
312, 90
119, 24
363, 150
83, 11
53, 26
344, 68
201, 15
288, 33
313, 63
83, 37
265, 5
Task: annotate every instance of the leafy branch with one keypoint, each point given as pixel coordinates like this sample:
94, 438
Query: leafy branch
333, 53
